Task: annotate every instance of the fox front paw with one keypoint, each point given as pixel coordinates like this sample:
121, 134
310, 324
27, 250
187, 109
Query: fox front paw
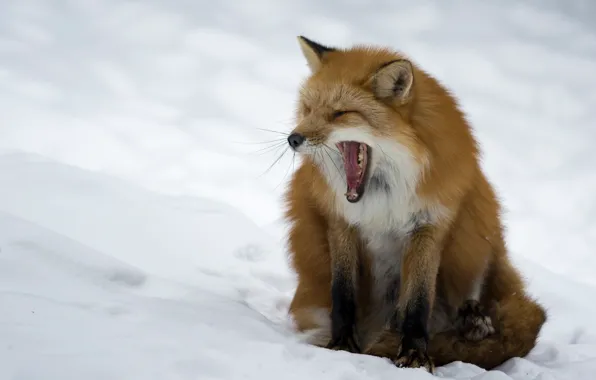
414, 358
344, 342
472, 322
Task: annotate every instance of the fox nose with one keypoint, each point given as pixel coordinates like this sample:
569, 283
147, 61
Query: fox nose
295, 140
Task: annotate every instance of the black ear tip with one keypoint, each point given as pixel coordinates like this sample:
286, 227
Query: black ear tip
315, 45
307, 40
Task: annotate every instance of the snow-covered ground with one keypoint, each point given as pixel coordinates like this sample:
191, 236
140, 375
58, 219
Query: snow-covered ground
139, 223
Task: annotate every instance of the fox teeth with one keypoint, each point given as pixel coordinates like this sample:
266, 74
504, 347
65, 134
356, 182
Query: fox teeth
360, 155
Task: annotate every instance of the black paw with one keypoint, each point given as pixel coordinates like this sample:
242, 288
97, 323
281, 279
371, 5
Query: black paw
472, 322
345, 342
413, 358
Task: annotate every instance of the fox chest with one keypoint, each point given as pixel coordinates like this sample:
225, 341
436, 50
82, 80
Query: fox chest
384, 253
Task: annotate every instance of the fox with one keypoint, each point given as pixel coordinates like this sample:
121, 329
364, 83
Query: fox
395, 233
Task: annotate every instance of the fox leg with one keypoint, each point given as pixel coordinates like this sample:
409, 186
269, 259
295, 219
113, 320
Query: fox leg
462, 284
309, 256
405, 339
310, 309
419, 272
473, 320
344, 249
325, 256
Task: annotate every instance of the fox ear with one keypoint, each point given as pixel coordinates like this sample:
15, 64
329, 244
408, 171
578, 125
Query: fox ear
313, 52
393, 81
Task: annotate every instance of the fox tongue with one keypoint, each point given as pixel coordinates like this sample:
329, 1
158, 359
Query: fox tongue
354, 171
351, 164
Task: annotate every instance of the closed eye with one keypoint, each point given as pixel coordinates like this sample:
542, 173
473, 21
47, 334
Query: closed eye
337, 114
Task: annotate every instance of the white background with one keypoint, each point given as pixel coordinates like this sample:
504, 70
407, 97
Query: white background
139, 225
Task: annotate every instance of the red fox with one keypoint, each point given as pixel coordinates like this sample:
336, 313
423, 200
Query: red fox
395, 231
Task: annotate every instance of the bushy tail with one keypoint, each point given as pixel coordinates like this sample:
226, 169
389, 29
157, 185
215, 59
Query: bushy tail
517, 319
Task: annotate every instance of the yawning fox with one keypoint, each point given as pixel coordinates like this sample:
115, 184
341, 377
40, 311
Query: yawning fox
395, 233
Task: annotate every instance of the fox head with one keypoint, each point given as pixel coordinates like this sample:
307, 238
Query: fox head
354, 117
374, 122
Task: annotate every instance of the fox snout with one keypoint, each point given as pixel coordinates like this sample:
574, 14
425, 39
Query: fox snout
295, 140
308, 135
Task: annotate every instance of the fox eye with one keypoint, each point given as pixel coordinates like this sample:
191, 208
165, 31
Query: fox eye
337, 114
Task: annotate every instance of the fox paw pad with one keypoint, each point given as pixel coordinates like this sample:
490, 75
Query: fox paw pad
473, 323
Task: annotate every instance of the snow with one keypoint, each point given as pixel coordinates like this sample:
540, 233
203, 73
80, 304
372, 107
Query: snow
140, 232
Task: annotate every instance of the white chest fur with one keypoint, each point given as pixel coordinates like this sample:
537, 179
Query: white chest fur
385, 251
385, 219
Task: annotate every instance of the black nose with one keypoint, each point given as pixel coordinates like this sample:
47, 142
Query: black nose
295, 140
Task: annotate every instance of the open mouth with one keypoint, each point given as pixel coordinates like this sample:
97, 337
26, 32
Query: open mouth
355, 157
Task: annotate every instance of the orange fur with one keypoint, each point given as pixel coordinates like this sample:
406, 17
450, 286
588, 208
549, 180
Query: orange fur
454, 251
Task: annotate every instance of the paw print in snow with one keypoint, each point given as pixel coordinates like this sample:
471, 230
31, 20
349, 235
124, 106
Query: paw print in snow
127, 277
250, 252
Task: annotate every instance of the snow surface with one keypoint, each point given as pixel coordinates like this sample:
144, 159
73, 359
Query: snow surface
139, 223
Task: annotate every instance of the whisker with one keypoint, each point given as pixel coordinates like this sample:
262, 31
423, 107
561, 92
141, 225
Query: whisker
318, 158
271, 147
323, 164
260, 142
268, 149
272, 131
290, 164
329, 172
382, 151
333, 161
276, 161
330, 151
330, 148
